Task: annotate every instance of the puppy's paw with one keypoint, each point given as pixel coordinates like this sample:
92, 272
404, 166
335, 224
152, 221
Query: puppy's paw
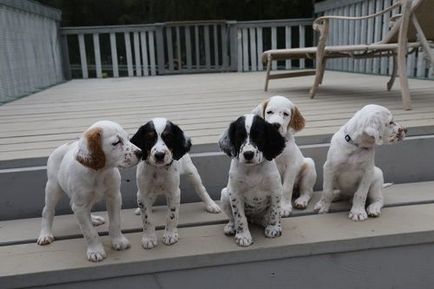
149, 241
229, 229
285, 209
301, 202
170, 237
322, 207
137, 211
45, 238
97, 220
244, 239
96, 253
213, 208
374, 209
273, 231
120, 243
358, 214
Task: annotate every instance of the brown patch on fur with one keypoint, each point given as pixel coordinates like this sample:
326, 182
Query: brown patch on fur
264, 107
95, 159
297, 120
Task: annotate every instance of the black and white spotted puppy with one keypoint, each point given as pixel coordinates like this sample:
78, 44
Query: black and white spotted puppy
165, 156
254, 187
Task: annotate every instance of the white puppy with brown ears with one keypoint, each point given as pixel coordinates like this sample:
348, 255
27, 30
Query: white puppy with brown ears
86, 170
296, 170
350, 171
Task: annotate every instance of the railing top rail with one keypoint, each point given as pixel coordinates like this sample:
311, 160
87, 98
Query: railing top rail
331, 4
274, 22
108, 28
34, 8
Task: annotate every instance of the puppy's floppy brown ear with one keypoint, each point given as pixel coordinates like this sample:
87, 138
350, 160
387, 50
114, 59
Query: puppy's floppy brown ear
297, 120
260, 109
90, 153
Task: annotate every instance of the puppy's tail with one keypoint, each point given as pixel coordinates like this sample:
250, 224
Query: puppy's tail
386, 185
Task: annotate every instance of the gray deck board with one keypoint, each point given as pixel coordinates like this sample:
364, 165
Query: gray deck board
203, 104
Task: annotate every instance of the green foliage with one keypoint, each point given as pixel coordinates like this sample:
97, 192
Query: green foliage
116, 12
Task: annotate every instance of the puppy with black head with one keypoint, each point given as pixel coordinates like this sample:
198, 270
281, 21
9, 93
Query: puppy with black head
165, 157
254, 187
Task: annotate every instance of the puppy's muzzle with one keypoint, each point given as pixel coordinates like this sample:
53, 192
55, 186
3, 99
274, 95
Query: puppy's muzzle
159, 156
276, 125
248, 156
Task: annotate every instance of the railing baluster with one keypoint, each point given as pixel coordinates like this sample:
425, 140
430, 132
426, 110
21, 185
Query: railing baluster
377, 34
216, 50
302, 33
370, 34
178, 48
240, 50
188, 47
152, 53
144, 45
196, 46
260, 47
129, 54
386, 17
363, 34
245, 50
288, 44
114, 55
137, 54
253, 55
83, 60
224, 47
169, 47
273, 45
97, 55
207, 47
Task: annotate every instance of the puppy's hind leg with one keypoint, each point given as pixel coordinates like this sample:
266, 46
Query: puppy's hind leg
375, 194
191, 173
307, 182
229, 228
53, 193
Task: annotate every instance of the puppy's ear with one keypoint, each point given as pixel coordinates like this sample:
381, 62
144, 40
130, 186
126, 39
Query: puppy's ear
181, 143
90, 153
371, 136
297, 120
274, 142
226, 142
139, 140
260, 109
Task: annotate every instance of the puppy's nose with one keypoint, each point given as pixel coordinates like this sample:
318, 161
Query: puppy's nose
248, 155
139, 154
159, 156
276, 125
405, 130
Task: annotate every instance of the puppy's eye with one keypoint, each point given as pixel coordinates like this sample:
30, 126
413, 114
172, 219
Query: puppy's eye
269, 112
285, 114
391, 122
116, 143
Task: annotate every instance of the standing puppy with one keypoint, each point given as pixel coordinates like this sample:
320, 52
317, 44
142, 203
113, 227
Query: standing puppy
296, 170
86, 170
254, 187
350, 168
164, 148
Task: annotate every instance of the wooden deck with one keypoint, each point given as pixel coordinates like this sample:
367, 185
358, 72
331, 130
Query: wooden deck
203, 104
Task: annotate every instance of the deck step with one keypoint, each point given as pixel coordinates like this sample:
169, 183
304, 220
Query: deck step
205, 253
192, 215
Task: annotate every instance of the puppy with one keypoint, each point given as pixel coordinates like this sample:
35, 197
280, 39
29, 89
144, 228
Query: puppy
87, 170
164, 148
350, 170
254, 187
296, 171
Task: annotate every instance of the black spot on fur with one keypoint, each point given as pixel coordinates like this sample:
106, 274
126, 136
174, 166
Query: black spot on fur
145, 138
140, 204
267, 138
175, 140
173, 209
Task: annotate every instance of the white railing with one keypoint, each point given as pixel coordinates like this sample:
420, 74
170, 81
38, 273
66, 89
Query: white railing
179, 47
366, 31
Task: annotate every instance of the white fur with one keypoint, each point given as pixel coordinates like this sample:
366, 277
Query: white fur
85, 186
350, 170
296, 170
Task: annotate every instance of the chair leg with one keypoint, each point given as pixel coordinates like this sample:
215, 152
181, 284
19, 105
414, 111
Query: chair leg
267, 75
319, 74
402, 71
322, 71
393, 75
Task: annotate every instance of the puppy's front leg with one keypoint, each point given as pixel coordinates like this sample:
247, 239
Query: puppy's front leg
242, 234
274, 228
324, 203
114, 204
145, 202
358, 212
288, 187
171, 233
95, 249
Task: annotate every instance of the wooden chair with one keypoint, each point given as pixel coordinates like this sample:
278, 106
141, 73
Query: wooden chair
411, 29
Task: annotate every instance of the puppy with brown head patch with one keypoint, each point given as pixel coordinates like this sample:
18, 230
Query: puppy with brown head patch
86, 170
297, 172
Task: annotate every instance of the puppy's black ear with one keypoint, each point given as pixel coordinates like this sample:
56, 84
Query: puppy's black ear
274, 142
180, 144
144, 138
227, 142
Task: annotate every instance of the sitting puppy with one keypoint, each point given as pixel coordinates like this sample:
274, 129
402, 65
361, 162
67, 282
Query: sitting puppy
349, 170
86, 170
296, 171
254, 187
164, 148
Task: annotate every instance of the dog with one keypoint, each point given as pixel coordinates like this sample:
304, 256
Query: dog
349, 170
296, 170
254, 188
86, 170
165, 153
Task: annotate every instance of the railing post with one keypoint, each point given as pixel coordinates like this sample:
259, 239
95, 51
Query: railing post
233, 44
160, 47
65, 58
